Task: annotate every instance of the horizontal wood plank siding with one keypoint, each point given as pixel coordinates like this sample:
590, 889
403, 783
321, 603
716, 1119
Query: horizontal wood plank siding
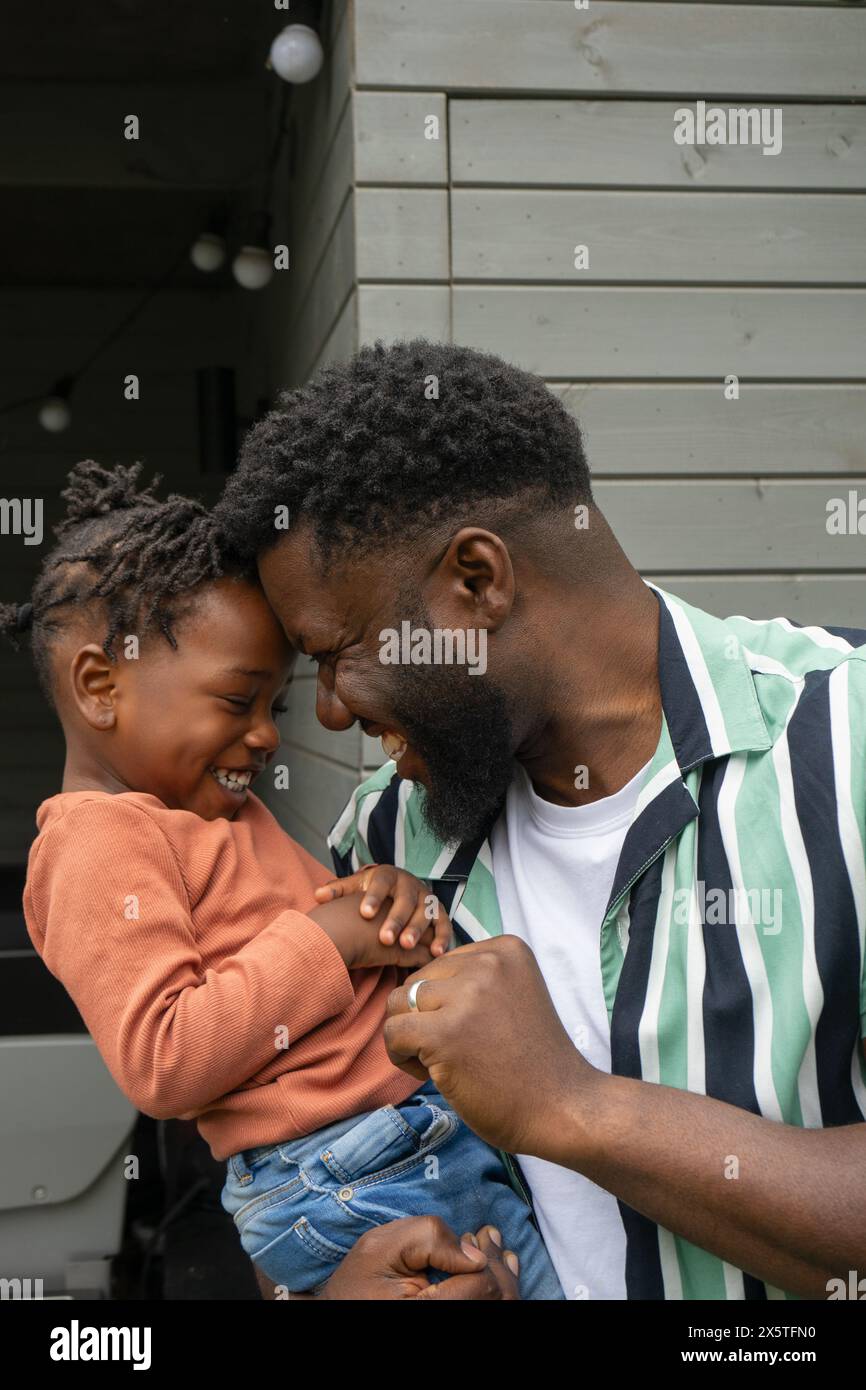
770, 524
538, 46
392, 145
693, 430
600, 333
402, 234
523, 235
403, 311
629, 144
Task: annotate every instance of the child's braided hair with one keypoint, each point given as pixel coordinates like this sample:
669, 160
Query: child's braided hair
123, 546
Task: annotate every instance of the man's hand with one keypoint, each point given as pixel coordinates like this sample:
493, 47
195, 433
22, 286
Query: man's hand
487, 1034
392, 1262
413, 911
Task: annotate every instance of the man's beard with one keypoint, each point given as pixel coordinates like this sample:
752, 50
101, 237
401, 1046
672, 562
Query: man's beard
460, 725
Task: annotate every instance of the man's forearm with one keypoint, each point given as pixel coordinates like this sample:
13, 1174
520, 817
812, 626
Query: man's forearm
785, 1204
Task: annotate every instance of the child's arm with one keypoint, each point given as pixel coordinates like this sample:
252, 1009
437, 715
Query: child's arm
117, 931
413, 911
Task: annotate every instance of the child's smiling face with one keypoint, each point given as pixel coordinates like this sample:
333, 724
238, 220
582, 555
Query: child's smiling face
192, 726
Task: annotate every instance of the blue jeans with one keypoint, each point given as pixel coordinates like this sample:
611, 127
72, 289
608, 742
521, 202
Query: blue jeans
300, 1206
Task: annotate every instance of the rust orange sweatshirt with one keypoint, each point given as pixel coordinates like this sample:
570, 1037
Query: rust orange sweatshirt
209, 993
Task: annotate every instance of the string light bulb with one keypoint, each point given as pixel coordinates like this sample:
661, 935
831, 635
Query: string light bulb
208, 252
253, 266
296, 54
55, 415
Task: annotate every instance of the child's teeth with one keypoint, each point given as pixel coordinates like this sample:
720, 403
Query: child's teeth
394, 746
235, 781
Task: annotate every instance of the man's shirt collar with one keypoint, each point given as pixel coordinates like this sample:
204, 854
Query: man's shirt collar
709, 710
707, 689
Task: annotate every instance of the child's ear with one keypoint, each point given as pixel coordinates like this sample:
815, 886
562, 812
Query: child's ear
94, 686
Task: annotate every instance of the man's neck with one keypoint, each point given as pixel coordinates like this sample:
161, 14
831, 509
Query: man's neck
604, 717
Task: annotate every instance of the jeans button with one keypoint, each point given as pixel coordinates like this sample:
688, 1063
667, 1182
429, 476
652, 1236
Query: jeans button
345, 1194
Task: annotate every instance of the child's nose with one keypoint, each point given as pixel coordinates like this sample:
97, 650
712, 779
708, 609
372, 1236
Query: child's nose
265, 735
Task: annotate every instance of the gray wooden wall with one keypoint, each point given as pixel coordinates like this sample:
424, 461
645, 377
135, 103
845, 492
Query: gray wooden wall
556, 129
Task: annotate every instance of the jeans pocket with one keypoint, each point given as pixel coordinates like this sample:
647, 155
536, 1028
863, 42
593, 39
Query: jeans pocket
273, 1190
297, 1255
389, 1141
318, 1244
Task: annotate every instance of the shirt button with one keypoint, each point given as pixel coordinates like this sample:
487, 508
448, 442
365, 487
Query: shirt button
345, 1194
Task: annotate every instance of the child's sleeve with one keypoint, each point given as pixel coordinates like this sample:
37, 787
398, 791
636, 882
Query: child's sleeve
113, 924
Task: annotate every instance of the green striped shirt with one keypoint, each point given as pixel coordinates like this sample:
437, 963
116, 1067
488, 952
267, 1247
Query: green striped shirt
732, 948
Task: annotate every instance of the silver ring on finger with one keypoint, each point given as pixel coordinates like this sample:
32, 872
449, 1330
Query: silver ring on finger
413, 993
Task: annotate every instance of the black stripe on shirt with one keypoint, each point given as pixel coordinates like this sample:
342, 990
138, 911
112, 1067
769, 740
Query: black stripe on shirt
729, 1032
643, 1270
837, 940
684, 712
382, 825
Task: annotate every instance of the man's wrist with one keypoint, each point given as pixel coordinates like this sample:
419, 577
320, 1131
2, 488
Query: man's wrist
575, 1124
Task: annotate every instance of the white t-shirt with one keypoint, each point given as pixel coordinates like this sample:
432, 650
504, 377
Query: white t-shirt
554, 868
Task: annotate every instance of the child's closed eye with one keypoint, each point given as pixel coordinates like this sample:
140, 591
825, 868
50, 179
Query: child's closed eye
244, 706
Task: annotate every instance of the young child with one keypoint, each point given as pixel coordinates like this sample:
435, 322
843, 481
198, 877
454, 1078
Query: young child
184, 922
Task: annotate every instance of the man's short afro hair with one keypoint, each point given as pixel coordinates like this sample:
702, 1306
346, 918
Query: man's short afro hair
396, 438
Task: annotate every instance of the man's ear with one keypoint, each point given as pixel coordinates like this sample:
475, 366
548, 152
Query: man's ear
473, 579
94, 686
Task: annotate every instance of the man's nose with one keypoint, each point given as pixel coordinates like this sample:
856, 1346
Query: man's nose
330, 710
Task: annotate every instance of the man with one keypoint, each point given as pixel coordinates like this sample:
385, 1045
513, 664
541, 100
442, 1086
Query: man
647, 824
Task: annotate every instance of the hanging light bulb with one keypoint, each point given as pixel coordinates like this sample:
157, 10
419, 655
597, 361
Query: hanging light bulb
253, 266
296, 53
54, 413
208, 252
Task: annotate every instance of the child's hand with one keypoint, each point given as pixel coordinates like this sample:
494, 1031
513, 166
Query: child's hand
358, 941
413, 912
